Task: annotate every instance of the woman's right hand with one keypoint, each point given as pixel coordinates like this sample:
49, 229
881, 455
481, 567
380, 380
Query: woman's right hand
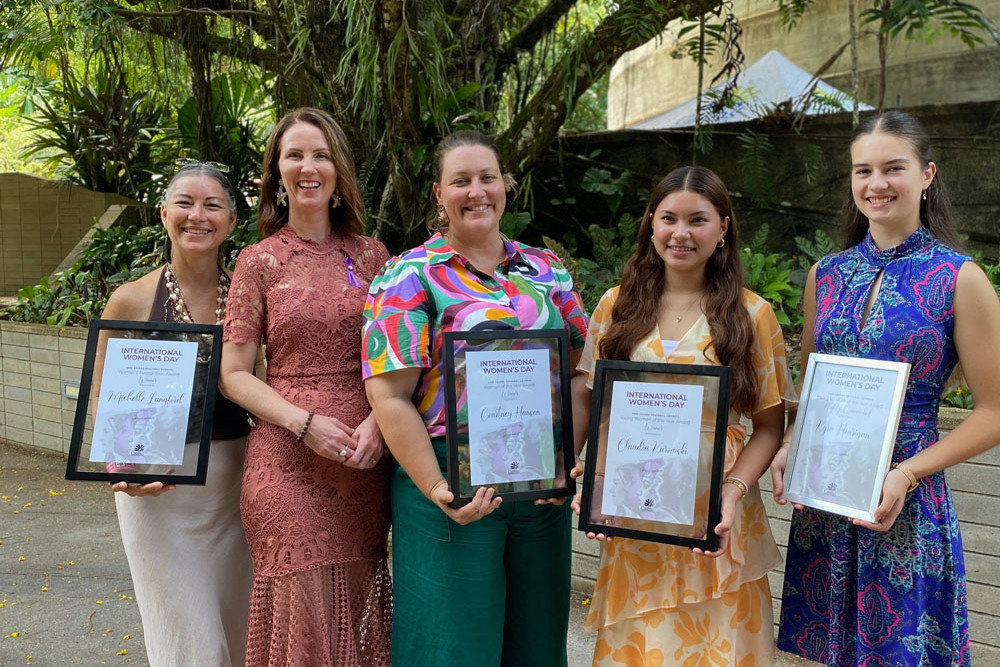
483, 503
778, 465
576, 473
139, 490
330, 438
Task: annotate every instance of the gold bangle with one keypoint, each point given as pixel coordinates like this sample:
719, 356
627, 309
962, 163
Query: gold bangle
738, 483
909, 475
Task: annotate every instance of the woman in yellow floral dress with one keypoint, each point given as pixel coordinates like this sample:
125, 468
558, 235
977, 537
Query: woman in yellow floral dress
681, 300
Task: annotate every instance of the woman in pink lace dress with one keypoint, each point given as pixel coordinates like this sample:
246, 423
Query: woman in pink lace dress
315, 490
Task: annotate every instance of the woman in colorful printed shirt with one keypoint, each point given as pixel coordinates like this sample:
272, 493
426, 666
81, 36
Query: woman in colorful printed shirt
485, 584
894, 592
681, 301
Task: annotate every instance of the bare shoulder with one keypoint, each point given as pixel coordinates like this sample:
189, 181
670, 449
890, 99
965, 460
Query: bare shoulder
133, 300
973, 288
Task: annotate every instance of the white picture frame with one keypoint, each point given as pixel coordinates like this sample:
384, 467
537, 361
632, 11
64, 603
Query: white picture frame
844, 434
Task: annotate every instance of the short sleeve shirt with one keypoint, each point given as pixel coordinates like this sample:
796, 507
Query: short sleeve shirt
432, 289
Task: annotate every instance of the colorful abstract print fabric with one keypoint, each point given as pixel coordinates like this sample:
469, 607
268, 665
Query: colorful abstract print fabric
854, 596
431, 289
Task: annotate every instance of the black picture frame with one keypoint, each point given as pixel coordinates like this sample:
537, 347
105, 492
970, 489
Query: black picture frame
195, 435
701, 497
559, 461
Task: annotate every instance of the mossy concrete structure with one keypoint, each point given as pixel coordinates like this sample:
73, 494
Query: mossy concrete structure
806, 176
41, 222
657, 77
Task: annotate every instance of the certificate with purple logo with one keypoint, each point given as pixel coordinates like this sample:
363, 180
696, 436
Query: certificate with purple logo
510, 416
655, 452
146, 397
508, 412
142, 412
653, 440
845, 431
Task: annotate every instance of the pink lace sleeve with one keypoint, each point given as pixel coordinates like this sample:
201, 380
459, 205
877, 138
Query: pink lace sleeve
372, 258
246, 313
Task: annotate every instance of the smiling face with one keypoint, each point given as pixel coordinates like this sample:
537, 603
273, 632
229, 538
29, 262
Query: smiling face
305, 164
686, 231
887, 180
471, 190
196, 214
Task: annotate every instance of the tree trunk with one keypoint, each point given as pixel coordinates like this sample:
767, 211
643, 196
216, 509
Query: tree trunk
192, 34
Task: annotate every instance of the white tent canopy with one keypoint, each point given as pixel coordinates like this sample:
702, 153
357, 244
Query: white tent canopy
761, 86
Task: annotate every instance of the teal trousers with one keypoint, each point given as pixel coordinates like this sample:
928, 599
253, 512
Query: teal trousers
493, 593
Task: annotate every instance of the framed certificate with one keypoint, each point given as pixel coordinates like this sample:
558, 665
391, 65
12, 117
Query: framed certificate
655, 451
147, 393
509, 415
844, 433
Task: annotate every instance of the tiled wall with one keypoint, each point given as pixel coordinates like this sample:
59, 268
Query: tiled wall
38, 363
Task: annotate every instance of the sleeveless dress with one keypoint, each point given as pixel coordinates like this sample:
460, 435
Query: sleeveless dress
317, 529
854, 596
659, 604
187, 552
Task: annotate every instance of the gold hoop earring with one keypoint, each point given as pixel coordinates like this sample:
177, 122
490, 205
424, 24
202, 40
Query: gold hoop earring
722, 243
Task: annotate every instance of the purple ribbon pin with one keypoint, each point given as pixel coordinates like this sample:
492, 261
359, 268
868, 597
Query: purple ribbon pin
352, 279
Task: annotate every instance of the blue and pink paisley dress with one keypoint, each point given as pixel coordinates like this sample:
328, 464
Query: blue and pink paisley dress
853, 596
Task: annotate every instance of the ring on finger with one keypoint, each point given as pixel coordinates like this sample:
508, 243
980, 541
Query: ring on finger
343, 453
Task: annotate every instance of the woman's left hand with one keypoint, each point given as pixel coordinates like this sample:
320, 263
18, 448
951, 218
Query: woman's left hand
731, 495
894, 488
370, 444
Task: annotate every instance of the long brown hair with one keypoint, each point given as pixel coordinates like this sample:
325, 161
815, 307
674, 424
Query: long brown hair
349, 217
935, 212
635, 311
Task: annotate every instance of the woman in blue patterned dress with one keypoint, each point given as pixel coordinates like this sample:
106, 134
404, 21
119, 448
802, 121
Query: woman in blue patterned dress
893, 592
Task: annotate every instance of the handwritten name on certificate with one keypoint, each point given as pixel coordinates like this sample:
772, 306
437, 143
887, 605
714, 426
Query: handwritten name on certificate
142, 413
845, 422
652, 459
510, 416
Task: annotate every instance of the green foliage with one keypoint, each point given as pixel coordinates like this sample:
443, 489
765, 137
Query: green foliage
959, 397
791, 11
770, 276
99, 136
614, 189
917, 19
72, 297
240, 122
993, 273
612, 246
754, 157
814, 249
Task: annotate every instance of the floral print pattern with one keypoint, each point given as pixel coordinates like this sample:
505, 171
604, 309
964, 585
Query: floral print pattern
657, 604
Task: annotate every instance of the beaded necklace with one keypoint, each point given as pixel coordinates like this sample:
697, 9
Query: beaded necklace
176, 299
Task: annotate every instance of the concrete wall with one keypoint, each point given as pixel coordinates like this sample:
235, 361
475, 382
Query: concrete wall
977, 499
41, 221
651, 80
965, 144
37, 363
